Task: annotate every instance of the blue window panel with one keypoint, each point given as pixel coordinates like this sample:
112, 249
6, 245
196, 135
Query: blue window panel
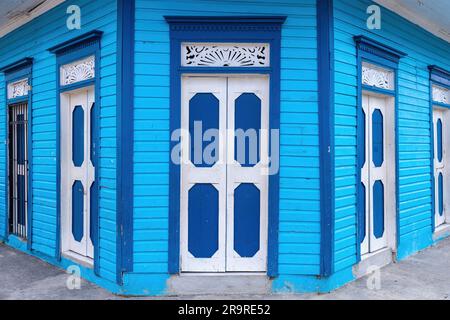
21, 200
378, 209
441, 193
78, 136
439, 139
377, 138
93, 213
203, 116
248, 127
93, 135
247, 213
77, 211
362, 212
362, 138
203, 220
20, 143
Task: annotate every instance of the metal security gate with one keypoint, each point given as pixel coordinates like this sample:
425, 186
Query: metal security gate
18, 169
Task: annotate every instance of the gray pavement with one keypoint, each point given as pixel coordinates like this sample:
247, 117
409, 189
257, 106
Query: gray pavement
425, 275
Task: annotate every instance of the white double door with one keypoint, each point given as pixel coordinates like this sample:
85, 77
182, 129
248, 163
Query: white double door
77, 172
374, 176
441, 155
224, 180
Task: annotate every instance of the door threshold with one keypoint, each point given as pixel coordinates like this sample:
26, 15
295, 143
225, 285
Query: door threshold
221, 274
213, 284
441, 232
373, 261
79, 259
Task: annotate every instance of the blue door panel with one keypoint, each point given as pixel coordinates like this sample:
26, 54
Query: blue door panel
77, 211
377, 138
439, 139
203, 116
248, 127
441, 194
78, 136
247, 216
378, 209
203, 220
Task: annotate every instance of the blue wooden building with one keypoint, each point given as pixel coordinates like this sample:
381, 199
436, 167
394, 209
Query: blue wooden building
269, 146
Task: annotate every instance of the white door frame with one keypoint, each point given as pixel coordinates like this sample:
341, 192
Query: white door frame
191, 175
390, 186
225, 259
83, 250
442, 166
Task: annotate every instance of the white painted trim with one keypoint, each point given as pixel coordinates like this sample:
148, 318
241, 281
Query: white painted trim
237, 175
226, 175
208, 54
24, 19
441, 166
369, 173
406, 13
191, 175
85, 98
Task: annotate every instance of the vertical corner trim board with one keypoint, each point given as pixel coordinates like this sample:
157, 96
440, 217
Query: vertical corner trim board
326, 115
125, 136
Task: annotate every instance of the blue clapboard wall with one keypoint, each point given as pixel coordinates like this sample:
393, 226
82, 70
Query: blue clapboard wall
299, 193
415, 200
33, 40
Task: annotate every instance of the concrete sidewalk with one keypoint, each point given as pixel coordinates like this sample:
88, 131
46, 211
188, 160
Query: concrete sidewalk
425, 275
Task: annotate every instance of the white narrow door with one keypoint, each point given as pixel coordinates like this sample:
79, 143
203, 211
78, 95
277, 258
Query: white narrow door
224, 179
247, 176
77, 171
374, 175
439, 165
203, 174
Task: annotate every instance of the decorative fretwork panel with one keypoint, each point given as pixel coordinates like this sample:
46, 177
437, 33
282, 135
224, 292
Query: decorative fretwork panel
225, 55
18, 89
378, 77
78, 71
441, 95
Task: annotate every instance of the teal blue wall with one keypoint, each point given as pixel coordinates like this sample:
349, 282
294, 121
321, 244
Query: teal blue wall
33, 40
299, 193
423, 49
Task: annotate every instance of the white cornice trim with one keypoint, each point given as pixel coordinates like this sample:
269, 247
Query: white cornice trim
415, 18
23, 19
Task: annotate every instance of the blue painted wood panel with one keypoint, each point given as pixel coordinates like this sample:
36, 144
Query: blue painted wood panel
247, 121
78, 136
203, 116
439, 139
247, 217
77, 211
33, 40
203, 220
299, 245
413, 117
440, 194
378, 209
377, 138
